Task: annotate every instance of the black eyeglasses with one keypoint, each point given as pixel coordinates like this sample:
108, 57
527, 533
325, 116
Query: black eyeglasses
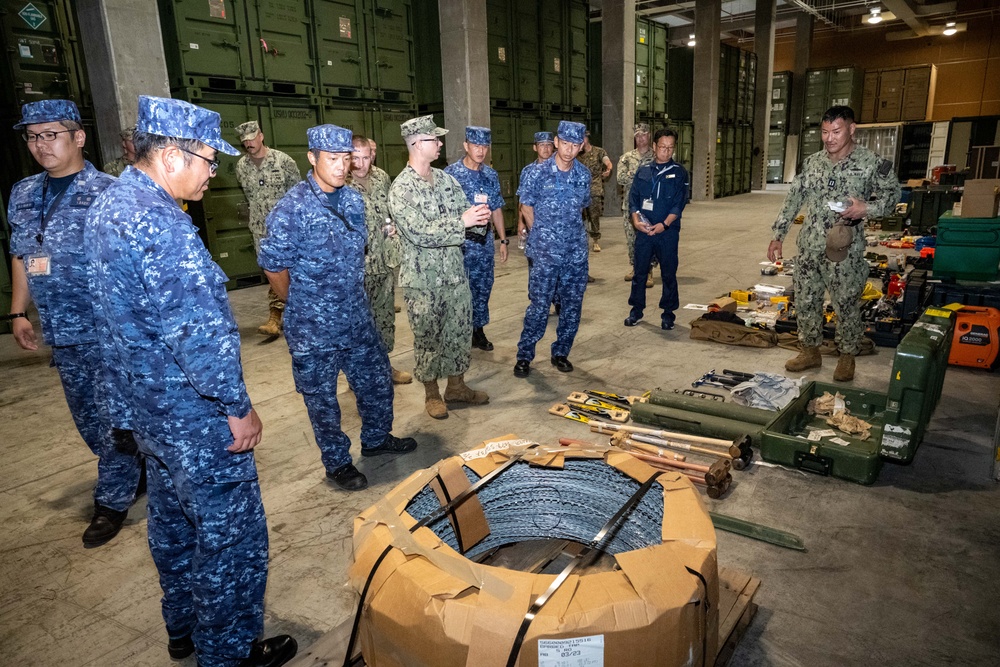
213, 165
31, 137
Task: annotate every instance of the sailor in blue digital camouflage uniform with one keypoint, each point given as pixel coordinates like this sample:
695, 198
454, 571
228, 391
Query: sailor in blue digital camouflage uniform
314, 257
655, 202
482, 186
553, 198
544, 147
47, 213
166, 325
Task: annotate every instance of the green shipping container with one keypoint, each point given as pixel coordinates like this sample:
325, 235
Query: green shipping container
553, 50
390, 34
577, 91
427, 59
680, 82
41, 60
527, 62
501, 55
342, 57
285, 53
781, 88
206, 44
775, 156
594, 70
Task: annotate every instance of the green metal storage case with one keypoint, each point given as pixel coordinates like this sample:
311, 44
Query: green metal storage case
967, 248
786, 439
915, 386
899, 417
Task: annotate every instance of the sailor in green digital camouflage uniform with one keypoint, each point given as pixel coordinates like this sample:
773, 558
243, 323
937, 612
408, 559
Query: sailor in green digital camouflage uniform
265, 174
628, 164
831, 244
382, 255
431, 214
117, 166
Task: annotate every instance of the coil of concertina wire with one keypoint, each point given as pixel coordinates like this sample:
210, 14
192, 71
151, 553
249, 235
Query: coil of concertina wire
530, 503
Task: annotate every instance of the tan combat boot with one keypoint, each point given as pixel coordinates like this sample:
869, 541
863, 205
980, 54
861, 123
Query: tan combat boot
459, 392
809, 357
845, 368
273, 325
649, 278
630, 275
401, 377
432, 401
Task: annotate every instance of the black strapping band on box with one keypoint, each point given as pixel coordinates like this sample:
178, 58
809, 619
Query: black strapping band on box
540, 601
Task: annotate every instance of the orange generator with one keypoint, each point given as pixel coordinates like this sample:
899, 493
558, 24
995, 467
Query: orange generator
977, 338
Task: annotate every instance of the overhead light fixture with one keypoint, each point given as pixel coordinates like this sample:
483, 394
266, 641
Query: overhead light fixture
949, 29
875, 16
691, 40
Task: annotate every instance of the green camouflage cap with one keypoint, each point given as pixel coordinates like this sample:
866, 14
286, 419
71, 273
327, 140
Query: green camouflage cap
640, 128
838, 242
248, 131
127, 133
421, 125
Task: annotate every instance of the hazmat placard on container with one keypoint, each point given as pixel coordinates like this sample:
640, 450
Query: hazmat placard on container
217, 9
32, 16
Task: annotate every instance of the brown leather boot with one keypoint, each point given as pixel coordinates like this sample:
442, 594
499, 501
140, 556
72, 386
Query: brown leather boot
809, 357
432, 401
401, 377
459, 392
273, 325
845, 368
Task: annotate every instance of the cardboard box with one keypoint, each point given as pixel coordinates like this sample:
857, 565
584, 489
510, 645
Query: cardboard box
980, 198
429, 605
723, 303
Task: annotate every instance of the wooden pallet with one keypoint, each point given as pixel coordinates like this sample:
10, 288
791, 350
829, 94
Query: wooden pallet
736, 611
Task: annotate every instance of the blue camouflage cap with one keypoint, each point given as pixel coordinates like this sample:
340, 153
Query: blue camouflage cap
480, 136
330, 138
571, 132
181, 120
543, 138
48, 111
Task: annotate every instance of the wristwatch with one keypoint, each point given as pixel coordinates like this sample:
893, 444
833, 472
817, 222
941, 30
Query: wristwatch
14, 316
504, 241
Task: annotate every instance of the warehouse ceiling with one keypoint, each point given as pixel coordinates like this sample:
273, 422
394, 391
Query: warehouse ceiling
903, 19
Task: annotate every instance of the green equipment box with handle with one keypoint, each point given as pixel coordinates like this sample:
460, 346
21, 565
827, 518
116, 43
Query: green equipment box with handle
898, 417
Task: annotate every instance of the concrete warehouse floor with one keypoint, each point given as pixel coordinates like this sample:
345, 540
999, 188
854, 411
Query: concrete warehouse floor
901, 573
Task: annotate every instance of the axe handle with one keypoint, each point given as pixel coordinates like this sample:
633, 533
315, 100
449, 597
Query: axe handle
698, 439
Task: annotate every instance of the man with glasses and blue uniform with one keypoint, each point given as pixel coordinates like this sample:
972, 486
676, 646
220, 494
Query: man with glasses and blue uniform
167, 329
47, 213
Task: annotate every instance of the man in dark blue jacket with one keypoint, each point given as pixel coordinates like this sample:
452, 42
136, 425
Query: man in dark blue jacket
655, 202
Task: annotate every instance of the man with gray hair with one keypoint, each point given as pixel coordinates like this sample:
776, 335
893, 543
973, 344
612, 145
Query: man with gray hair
432, 213
166, 327
265, 174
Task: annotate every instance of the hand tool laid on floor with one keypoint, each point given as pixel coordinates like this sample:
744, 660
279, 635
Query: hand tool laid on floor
738, 450
578, 400
589, 411
714, 473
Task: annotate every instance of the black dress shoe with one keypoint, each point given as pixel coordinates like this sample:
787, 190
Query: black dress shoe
348, 478
180, 648
272, 652
480, 341
522, 368
103, 527
391, 445
562, 363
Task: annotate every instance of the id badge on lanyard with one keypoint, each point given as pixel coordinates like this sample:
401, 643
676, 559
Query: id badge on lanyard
38, 264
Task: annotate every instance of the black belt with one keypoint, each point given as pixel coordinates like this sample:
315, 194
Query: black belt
476, 238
